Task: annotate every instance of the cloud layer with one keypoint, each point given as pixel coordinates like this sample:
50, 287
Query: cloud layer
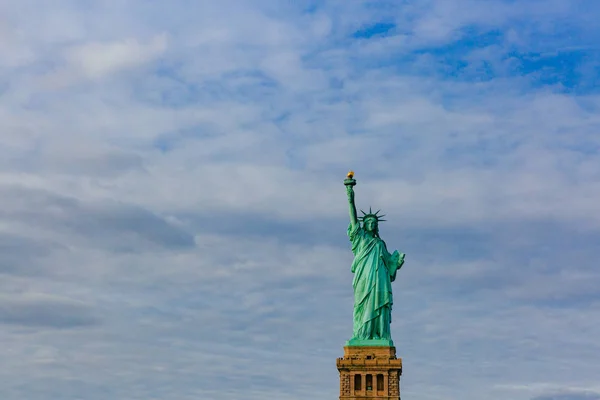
172, 219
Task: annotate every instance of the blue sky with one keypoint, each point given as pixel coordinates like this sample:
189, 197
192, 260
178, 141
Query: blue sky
173, 220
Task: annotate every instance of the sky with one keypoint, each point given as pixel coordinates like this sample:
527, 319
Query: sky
173, 216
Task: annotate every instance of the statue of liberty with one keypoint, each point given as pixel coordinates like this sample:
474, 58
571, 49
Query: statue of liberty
374, 270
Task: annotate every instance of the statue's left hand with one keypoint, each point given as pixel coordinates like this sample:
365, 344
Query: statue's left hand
401, 259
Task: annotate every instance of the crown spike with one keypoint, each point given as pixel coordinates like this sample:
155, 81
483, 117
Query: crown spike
371, 214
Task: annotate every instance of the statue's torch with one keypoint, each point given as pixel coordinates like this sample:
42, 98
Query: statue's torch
350, 181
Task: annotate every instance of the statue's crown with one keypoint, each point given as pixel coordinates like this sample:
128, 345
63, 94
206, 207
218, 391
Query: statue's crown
372, 214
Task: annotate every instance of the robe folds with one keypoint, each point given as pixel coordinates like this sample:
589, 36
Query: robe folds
374, 269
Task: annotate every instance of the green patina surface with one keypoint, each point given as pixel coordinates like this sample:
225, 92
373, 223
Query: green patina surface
374, 269
370, 342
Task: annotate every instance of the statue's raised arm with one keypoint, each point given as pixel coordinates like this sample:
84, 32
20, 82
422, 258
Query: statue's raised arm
350, 182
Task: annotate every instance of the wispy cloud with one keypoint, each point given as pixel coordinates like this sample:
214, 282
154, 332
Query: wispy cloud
95, 60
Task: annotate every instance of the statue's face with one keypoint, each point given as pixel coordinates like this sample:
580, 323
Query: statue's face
370, 224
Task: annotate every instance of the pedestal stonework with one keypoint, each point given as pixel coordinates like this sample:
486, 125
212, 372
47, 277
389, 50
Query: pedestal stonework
369, 372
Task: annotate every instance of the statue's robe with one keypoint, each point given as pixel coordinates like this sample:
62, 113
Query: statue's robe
374, 269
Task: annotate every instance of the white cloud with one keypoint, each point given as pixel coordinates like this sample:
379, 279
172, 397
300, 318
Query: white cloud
97, 59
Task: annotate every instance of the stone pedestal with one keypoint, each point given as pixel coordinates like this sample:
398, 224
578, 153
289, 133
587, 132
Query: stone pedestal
369, 372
